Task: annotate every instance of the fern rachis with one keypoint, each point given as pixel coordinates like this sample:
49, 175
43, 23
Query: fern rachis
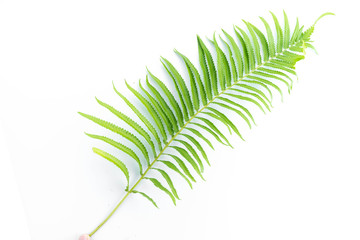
248, 71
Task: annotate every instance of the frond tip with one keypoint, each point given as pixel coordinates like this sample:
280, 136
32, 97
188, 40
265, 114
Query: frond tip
323, 15
240, 73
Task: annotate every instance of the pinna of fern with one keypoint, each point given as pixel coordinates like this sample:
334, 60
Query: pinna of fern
237, 70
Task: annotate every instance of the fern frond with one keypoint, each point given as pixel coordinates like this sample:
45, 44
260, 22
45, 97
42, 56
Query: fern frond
237, 72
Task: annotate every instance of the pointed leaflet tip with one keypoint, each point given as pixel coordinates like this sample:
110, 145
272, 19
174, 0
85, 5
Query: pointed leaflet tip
97, 100
148, 71
323, 15
127, 85
163, 61
178, 53
222, 39
224, 32
83, 114
114, 86
210, 39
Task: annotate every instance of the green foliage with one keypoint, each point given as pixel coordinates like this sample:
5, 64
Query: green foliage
235, 71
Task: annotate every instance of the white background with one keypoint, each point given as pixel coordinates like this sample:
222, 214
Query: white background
296, 176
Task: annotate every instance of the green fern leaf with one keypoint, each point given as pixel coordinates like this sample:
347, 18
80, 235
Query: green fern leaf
239, 72
115, 161
147, 197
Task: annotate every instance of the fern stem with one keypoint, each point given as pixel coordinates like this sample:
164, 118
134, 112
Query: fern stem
173, 138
